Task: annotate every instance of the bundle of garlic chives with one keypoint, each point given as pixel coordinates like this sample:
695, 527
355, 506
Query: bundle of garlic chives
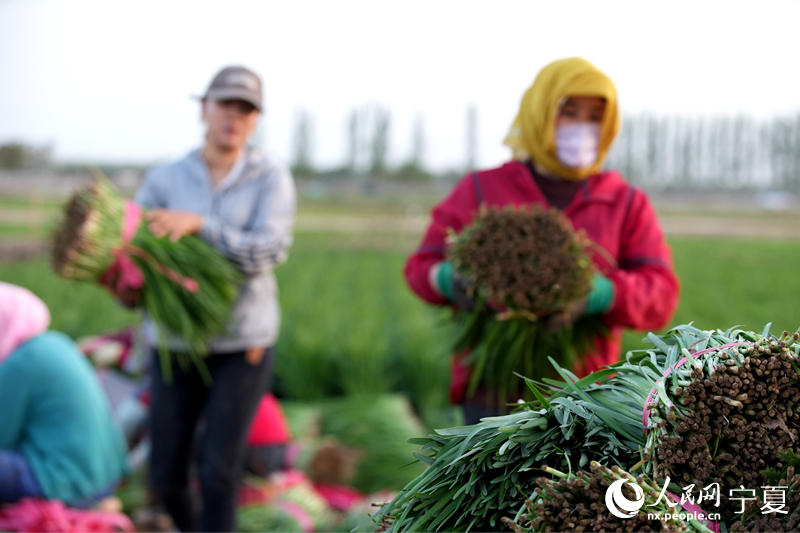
187, 288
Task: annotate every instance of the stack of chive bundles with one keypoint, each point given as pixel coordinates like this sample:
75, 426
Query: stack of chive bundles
189, 288
290, 505
576, 502
787, 477
721, 408
531, 262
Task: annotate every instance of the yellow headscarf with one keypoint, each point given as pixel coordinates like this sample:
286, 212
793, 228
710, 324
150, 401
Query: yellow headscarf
532, 136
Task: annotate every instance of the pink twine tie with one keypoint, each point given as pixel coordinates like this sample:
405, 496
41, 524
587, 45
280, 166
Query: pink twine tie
668, 371
124, 272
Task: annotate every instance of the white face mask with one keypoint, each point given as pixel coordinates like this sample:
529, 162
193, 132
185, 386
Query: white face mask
576, 144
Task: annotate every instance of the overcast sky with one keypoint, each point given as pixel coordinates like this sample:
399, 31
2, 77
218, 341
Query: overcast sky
111, 81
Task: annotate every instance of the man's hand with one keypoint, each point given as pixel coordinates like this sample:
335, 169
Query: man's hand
464, 295
174, 223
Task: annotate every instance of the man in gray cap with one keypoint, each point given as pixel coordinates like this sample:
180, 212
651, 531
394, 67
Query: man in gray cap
243, 203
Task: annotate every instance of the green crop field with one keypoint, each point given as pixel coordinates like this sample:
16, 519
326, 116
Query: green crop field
351, 325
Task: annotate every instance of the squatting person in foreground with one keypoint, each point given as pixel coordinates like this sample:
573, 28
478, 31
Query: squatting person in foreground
566, 123
58, 439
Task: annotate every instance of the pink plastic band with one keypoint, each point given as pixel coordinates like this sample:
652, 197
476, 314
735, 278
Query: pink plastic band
695, 509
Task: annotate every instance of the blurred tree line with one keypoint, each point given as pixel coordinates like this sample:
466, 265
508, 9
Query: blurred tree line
709, 152
19, 156
655, 152
367, 135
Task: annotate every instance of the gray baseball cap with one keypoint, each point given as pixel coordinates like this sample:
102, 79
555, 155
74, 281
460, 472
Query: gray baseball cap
235, 83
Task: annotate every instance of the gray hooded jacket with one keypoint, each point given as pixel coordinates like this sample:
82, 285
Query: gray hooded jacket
249, 218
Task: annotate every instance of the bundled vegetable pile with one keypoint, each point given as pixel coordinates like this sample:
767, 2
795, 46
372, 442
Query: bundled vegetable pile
577, 503
376, 428
257, 518
187, 287
290, 503
357, 440
702, 426
526, 262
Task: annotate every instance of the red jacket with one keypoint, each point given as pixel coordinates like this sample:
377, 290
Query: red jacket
615, 216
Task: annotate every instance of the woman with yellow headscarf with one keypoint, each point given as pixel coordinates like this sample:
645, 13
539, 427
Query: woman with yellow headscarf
565, 126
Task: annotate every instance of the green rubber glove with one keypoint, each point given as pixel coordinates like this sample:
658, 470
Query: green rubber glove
601, 296
444, 279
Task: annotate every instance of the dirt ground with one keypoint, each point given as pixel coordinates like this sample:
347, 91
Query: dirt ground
709, 226
17, 250
755, 224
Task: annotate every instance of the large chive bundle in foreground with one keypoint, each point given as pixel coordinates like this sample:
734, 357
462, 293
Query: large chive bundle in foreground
189, 288
479, 474
530, 262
